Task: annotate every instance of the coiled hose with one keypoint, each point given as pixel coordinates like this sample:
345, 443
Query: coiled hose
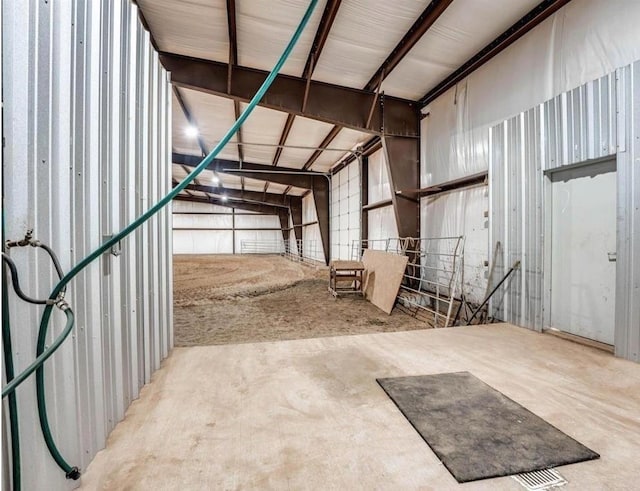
41, 353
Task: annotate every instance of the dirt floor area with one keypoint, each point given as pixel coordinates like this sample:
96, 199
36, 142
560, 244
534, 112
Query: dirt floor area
226, 299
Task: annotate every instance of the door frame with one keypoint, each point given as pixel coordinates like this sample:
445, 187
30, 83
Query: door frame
587, 168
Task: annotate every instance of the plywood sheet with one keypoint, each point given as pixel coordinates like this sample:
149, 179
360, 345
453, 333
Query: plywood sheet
383, 277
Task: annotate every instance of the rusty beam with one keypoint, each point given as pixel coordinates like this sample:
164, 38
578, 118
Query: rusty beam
328, 16
271, 199
408, 41
222, 165
190, 119
329, 103
321, 200
283, 215
530, 20
422, 24
402, 161
239, 205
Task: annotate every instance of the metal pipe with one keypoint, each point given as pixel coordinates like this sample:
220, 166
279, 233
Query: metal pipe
475, 312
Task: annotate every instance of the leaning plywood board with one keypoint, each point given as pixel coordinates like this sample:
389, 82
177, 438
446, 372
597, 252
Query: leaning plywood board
383, 277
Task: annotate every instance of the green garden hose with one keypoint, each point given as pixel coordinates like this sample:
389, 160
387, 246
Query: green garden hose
42, 354
9, 374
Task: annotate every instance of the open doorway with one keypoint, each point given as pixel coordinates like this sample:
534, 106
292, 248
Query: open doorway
583, 250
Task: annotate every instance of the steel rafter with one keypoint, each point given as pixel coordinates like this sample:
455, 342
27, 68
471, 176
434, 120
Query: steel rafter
534, 17
329, 103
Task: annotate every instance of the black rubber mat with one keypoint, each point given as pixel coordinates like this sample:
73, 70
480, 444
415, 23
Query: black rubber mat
476, 431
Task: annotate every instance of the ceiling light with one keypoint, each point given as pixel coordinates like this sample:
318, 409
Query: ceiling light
215, 179
191, 131
224, 198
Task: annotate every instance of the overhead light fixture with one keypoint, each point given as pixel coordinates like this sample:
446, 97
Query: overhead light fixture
224, 198
191, 131
215, 179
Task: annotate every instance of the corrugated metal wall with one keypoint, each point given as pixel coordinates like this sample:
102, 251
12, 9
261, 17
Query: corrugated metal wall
87, 131
593, 121
627, 335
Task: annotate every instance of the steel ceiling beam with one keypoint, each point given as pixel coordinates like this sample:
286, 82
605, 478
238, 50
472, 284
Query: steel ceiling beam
403, 169
428, 17
325, 102
233, 60
240, 205
293, 177
190, 119
271, 199
328, 16
534, 17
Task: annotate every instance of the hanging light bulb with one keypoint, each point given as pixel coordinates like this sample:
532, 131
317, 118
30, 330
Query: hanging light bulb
215, 179
224, 198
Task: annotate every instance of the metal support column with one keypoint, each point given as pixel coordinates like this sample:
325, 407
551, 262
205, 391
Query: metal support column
403, 166
320, 189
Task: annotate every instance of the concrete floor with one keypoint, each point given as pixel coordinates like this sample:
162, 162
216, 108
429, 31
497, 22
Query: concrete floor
308, 414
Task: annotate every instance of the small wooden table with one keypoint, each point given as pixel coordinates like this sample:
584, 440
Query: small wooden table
342, 271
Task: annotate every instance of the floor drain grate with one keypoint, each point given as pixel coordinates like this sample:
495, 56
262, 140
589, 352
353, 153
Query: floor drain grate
538, 480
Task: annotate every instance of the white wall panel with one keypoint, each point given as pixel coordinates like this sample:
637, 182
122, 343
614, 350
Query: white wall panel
203, 241
382, 223
311, 238
379, 186
459, 213
86, 98
202, 221
345, 210
581, 42
257, 221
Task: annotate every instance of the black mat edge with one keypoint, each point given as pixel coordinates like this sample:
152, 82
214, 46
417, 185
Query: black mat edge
595, 455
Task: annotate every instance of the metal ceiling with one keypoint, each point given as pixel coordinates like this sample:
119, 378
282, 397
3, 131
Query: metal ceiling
407, 49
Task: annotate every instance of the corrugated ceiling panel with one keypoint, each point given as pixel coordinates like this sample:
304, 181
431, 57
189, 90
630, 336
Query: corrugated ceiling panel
362, 36
181, 143
304, 132
199, 194
462, 30
255, 185
262, 126
213, 117
276, 188
177, 172
189, 27
230, 181
265, 28
346, 139
295, 191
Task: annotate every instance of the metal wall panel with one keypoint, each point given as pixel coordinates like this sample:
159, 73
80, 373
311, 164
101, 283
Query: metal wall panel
515, 192
87, 150
627, 335
593, 122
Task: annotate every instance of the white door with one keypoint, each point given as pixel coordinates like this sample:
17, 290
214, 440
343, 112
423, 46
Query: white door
583, 277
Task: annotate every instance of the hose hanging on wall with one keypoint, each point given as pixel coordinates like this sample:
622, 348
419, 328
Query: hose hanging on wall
9, 374
71, 472
55, 297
